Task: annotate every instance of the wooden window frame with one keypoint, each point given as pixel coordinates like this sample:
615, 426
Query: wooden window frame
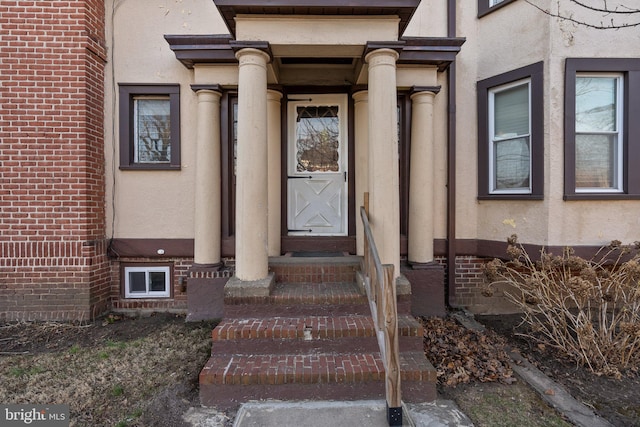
630, 69
127, 93
534, 73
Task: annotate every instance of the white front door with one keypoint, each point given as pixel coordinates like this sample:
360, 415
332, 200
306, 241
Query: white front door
317, 165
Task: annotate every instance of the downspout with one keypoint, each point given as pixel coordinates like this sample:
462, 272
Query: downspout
451, 162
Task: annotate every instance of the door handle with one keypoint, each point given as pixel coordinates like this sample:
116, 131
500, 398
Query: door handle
300, 177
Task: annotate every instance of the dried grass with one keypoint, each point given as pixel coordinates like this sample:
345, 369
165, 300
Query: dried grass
105, 384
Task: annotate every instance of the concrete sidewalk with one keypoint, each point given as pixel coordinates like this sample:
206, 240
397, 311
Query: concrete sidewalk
362, 413
369, 413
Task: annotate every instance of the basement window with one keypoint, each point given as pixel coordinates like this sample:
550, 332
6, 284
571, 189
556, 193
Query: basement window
147, 281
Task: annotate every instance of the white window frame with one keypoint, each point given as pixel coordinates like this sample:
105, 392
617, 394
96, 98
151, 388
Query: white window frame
493, 139
619, 165
148, 293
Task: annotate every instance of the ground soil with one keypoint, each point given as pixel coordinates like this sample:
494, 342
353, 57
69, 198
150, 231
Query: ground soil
116, 371
617, 400
143, 372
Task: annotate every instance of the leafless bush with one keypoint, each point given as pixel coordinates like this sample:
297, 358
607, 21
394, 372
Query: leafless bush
587, 309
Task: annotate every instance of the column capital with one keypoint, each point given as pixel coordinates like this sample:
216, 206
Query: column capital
205, 95
396, 46
361, 96
209, 88
381, 56
250, 53
274, 95
416, 90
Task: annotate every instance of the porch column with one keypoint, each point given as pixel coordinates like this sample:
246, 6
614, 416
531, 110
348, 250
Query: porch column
274, 168
251, 170
361, 118
421, 187
207, 187
384, 198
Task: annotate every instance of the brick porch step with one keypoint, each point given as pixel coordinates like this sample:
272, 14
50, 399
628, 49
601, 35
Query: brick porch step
228, 380
312, 338
308, 327
309, 335
269, 369
299, 299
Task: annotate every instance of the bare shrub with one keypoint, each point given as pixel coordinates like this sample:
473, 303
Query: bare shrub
589, 310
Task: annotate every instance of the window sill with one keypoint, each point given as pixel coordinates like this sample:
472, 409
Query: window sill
601, 196
147, 297
511, 197
151, 167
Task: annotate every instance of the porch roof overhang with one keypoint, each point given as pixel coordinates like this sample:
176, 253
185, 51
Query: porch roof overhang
220, 49
403, 9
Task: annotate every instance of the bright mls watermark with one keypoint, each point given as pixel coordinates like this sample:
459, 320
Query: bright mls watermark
34, 415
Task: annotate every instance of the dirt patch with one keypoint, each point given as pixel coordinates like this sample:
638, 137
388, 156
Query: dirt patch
474, 371
117, 371
617, 400
144, 372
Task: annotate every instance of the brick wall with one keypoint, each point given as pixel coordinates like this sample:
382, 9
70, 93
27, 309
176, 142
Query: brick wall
469, 289
53, 262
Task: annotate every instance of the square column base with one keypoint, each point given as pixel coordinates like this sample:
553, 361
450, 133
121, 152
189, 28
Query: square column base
236, 288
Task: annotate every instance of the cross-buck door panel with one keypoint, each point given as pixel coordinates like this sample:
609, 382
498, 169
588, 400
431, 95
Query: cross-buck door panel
317, 165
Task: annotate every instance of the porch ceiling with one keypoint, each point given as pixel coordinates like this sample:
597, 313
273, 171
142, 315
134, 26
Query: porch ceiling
403, 9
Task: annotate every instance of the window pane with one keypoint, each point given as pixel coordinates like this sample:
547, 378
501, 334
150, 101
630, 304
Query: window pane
317, 139
595, 161
596, 104
153, 131
157, 281
511, 112
137, 281
512, 164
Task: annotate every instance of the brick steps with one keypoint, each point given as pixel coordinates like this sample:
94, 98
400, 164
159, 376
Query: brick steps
269, 369
313, 334
308, 327
308, 340
300, 299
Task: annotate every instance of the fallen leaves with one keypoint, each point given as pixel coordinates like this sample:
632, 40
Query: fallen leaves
461, 355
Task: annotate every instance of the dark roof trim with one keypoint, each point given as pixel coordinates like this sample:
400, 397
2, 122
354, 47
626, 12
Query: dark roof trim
220, 49
404, 9
439, 51
189, 50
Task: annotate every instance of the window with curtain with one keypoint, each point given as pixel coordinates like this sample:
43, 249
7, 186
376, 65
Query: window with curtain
510, 130
598, 140
511, 135
601, 129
